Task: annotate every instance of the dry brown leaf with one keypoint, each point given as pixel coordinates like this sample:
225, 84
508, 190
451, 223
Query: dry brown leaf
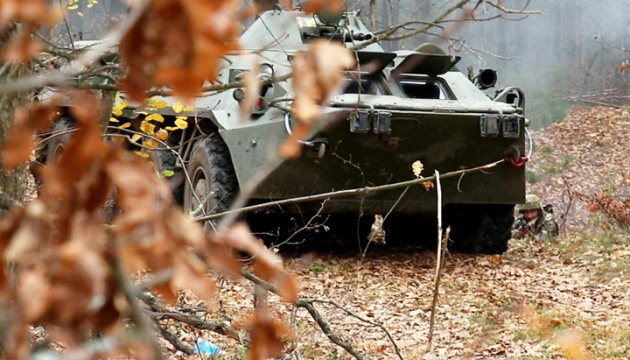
316, 74
21, 139
253, 84
315, 6
288, 286
21, 49
573, 346
192, 273
240, 238
179, 44
266, 338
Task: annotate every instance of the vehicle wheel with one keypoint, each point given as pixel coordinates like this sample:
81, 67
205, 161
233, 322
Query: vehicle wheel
481, 229
52, 148
58, 143
212, 176
165, 160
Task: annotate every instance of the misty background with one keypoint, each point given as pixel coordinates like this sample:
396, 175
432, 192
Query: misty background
572, 49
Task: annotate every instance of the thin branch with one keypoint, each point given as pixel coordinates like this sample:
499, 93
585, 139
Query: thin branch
438, 266
360, 318
65, 21
325, 327
512, 11
368, 190
321, 322
60, 77
442, 248
158, 309
173, 339
142, 322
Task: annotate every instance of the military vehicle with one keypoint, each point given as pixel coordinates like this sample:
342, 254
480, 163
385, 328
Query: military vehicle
401, 107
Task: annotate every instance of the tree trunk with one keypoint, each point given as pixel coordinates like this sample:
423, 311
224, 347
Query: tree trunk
11, 182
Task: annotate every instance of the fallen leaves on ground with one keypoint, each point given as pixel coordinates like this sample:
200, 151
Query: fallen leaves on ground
479, 314
590, 150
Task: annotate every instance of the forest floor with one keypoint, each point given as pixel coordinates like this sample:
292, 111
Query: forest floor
565, 298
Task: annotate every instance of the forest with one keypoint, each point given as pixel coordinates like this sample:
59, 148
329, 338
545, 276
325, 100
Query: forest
319, 179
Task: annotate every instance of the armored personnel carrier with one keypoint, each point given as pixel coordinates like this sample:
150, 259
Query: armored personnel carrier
402, 107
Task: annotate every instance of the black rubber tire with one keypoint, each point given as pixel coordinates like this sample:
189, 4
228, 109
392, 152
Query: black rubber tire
210, 158
57, 144
47, 153
164, 160
481, 229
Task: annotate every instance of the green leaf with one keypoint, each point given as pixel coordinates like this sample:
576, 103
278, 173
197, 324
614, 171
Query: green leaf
168, 173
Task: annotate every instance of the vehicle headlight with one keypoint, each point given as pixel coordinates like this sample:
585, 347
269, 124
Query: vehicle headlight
489, 124
266, 71
511, 127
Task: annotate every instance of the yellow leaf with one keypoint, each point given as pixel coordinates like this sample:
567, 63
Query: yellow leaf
156, 117
178, 107
171, 128
119, 108
147, 127
149, 143
417, 168
160, 104
125, 125
181, 123
113, 119
117, 97
136, 137
73, 7
142, 154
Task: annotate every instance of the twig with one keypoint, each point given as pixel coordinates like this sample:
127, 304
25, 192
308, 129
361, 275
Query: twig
138, 316
442, 248
200, 323
173, 339
303, 228
438, 266
325, 327
60, 77
65, 21
511, 11
368, 190
321, 322
367, 321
